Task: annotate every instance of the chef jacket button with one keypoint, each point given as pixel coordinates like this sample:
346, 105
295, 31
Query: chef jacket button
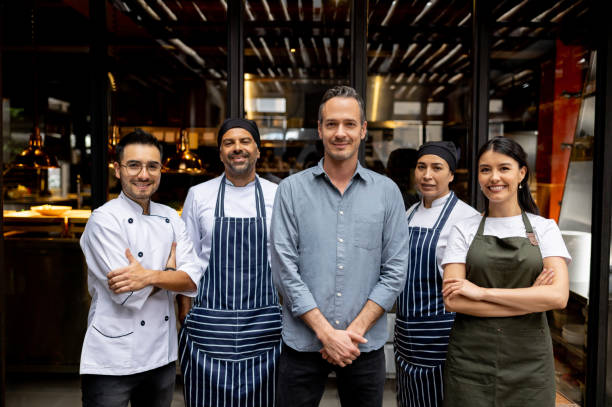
166, 318
142, 323
167, 220
140, 254
130, 220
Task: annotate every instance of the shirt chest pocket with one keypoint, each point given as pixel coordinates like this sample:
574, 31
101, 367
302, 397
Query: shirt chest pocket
367, 234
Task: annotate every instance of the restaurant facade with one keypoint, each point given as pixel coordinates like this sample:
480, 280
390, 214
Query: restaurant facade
77, 75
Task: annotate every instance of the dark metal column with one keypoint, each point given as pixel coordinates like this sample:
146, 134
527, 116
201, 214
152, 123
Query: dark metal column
597, 337
99, 103
359, 56
2, 276
481, 31
235, 58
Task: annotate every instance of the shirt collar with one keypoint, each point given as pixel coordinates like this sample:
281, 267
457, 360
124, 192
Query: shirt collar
359, 171
135, 206
228, 182
440, 201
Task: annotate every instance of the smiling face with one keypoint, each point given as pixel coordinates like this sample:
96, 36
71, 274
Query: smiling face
341, 129
432, 176
499, 176
239, 153
141, 186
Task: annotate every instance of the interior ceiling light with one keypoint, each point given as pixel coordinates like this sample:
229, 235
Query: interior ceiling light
34, 156
197, 9
183, 161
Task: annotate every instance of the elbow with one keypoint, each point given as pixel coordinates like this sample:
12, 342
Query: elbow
560, 301
449, 305
191, 286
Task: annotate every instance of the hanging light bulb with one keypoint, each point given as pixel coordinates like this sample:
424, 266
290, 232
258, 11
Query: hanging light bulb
34, 155
112, 146
183, 161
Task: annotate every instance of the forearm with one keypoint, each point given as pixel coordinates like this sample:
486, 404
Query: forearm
171, 280
528, 299
184, 305
475, 308
369, 314
318, 323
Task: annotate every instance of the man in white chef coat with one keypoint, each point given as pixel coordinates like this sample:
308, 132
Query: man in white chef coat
130, 348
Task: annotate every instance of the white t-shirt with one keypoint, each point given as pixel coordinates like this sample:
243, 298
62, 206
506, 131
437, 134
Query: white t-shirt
547, 233
199, 210
427, 217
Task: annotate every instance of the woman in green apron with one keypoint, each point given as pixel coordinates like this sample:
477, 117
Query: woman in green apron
502, 271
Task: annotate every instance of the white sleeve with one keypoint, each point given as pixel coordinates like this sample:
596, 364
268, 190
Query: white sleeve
551, 241
104, 248
195, 233
186, 259
457, 246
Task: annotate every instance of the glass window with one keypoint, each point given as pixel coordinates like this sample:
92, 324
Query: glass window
541, 87
168, 76
45, 106
418, 90
294, 52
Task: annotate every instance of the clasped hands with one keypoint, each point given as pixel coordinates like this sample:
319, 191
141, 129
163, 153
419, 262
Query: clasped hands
134, 277
452, 287
341, 347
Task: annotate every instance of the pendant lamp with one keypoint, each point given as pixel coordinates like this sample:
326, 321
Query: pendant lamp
183, 161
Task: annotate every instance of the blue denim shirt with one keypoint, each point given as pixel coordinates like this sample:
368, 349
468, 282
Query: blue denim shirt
334, 252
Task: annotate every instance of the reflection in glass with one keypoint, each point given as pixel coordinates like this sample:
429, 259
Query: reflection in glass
418, 89
294, 52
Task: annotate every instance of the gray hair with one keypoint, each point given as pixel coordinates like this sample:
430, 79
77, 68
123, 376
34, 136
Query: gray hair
342, 92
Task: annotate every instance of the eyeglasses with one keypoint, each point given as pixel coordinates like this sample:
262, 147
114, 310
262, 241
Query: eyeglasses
134, 167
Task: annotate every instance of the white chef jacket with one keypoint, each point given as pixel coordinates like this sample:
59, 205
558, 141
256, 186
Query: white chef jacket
132, 332
427, 217
199, 210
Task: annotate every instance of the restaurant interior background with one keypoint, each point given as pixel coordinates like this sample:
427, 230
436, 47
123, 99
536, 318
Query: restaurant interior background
76, 75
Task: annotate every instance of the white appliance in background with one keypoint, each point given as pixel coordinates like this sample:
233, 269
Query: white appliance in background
579, 246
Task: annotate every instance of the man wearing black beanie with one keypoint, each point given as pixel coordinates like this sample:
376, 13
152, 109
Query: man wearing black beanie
235, 324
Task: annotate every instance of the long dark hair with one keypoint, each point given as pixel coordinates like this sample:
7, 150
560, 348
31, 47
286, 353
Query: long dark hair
512, 149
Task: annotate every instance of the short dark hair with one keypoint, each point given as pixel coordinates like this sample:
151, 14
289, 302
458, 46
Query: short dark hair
138, 136
343, 92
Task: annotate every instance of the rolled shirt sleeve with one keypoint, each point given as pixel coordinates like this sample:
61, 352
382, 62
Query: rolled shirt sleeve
186, 259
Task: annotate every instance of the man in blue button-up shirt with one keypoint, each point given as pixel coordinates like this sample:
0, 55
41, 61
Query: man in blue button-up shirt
339, 259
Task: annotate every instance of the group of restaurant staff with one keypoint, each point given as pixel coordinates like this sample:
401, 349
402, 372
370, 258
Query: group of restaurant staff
336, 244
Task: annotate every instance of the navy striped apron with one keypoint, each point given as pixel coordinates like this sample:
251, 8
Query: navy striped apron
422, 325
231, 338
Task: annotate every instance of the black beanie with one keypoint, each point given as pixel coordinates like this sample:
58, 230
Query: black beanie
248, 125
443, 149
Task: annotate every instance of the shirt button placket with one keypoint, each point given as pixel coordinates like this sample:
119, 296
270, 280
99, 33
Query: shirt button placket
340, 260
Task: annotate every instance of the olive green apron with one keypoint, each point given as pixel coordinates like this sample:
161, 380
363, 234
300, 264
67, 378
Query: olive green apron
501, 361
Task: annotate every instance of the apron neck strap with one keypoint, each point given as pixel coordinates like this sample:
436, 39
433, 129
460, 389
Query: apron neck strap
446, 211
414, 211
259, 200
528, 228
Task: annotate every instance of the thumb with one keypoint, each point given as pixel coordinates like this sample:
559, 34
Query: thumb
356, 337
129, 256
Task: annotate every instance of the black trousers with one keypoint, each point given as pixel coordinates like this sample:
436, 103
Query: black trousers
153, 388
302, 377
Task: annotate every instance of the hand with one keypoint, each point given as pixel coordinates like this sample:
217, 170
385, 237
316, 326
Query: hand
545, 277
452, 287
340, 347
133, 277
171, 263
